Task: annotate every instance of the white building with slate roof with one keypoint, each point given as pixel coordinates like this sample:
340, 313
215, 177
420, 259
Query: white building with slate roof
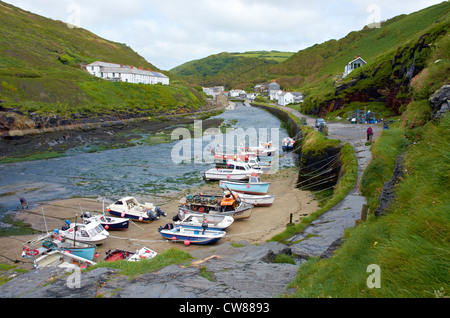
124, 73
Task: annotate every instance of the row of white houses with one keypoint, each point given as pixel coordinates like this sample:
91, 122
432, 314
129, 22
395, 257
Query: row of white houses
124, 73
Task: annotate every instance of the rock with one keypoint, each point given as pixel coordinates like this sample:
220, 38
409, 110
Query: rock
440, 102
387, 194
232, 272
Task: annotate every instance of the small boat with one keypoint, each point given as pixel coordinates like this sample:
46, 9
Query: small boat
190, 236
62, 259
49, 242
253, 186
195, 220
93, 232
288, 144
222, 158
238, 171
130, 208
110, 223
254, 163
257, 200
263, 150
119, 254
224, 205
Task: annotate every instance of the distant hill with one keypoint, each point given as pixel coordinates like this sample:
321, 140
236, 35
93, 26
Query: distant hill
224, 69
40, 71
229, 69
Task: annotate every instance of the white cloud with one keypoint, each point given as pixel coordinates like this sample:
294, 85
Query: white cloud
171, 32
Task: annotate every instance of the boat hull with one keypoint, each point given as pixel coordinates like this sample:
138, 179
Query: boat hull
215, 222
248, 188
258, 200
192, 236
136, 217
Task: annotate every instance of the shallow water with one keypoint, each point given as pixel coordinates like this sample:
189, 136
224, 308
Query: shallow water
140, 171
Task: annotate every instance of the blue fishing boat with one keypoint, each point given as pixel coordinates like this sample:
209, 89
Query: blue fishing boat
253, 186
190, 236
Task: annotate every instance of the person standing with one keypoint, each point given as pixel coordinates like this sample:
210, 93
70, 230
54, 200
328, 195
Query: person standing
369, 134
23, 202
204, 224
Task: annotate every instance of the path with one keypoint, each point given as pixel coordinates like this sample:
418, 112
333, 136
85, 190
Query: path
329, 228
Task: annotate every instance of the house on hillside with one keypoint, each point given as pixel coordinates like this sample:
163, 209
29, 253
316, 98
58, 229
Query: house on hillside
124, 73
272, 89
214, 91
298, 97
353, 65
285, 98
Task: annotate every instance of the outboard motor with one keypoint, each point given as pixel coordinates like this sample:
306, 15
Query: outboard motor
66, 226
168, 226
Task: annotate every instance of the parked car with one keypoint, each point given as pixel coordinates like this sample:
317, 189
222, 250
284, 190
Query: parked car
320, 121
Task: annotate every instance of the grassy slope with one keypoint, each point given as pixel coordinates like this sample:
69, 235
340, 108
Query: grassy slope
39, 70
410, 243
224, 69
313, 70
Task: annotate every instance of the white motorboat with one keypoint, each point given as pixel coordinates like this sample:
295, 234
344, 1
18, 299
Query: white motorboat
254, 163
195, 220
238, 171
256, 200
129, 207
93, 232
110, 223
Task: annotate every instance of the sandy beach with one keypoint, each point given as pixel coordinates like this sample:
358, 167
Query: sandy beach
264, 223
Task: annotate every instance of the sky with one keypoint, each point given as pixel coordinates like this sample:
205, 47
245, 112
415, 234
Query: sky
168, 33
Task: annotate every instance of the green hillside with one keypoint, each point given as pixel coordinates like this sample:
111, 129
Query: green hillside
404, 244
224, 69
40, 71
315, 70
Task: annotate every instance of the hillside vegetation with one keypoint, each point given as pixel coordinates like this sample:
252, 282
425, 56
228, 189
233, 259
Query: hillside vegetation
408, 241
398, 48
40, 71
224, 69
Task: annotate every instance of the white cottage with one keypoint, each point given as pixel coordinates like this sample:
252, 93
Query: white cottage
124, 73
285, 98
353, 65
